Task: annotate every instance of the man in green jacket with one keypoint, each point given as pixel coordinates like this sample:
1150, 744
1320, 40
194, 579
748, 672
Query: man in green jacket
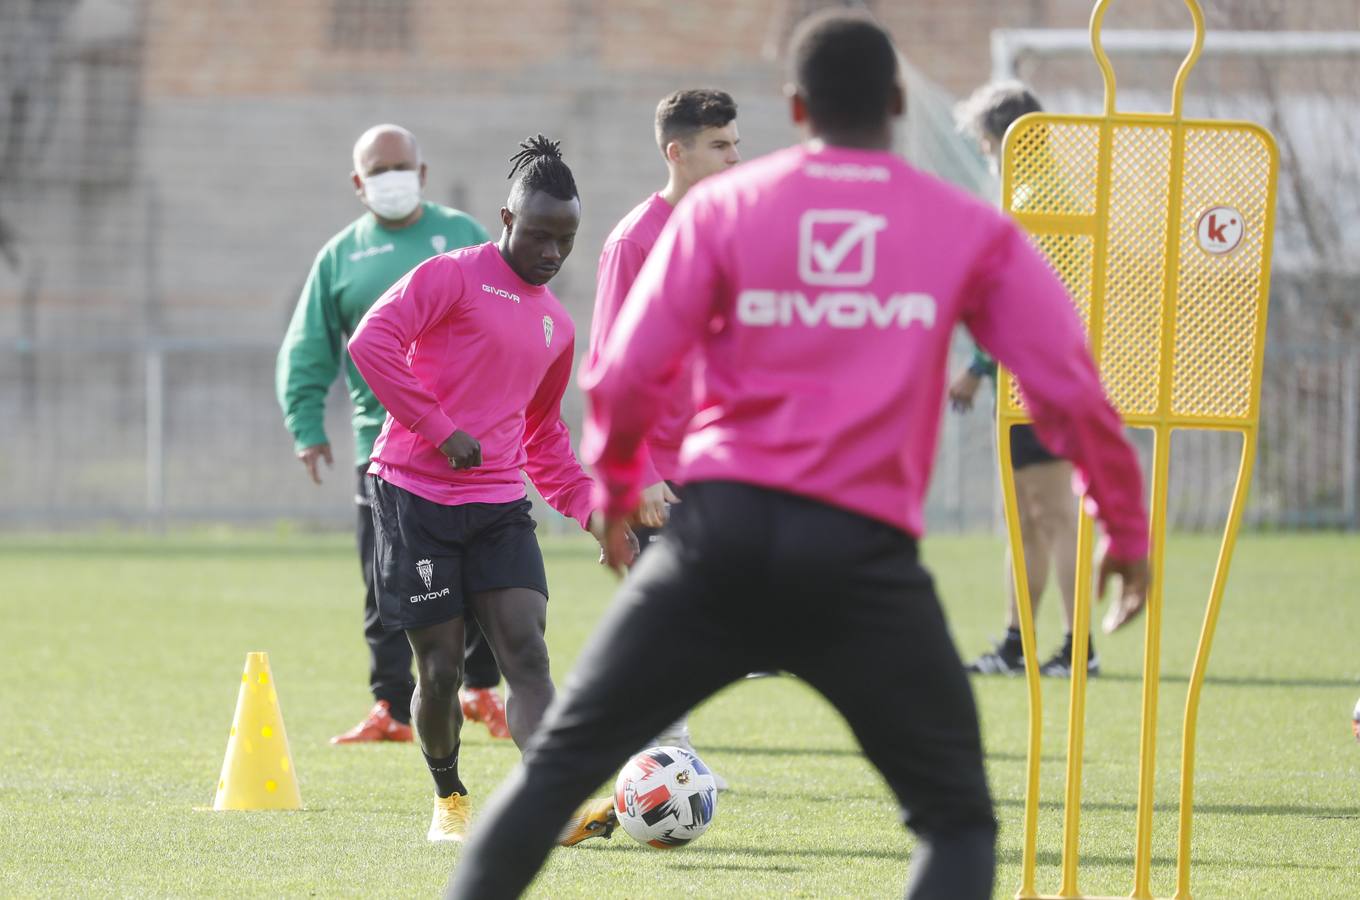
396, 233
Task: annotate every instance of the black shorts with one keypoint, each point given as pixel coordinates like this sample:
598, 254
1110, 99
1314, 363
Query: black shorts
1026, 450
431, 557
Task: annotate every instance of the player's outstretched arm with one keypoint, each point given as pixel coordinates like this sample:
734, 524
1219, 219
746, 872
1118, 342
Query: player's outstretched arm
549, 460
1020, 313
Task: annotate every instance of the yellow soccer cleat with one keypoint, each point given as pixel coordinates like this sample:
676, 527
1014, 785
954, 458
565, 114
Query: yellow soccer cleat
595, 819
450, 819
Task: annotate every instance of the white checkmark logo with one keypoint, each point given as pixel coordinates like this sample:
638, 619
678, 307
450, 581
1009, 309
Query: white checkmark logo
821, 262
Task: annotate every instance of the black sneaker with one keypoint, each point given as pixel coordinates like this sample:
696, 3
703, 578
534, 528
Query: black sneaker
1003, 659
1059, 665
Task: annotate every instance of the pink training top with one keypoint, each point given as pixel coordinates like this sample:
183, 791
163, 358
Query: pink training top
621, 259
462, 342
821, 286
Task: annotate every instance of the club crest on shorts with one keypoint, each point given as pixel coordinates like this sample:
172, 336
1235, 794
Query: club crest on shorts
547, 331
439, 242
425, 568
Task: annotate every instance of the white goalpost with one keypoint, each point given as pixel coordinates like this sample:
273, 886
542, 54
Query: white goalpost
1009, 45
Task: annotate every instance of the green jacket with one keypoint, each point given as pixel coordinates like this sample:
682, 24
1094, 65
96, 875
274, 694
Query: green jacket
350, 273
982, 365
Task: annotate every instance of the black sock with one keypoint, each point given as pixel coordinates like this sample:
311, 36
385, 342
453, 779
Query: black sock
1090, 645
445, 774
1013, 640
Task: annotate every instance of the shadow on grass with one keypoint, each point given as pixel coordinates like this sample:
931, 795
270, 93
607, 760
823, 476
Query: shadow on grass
780, 751
1211, 809
1005, 856
830, 853
834, 752
840, 797
152, 549
284, 545
1012, 756
761, 867
1238, 680
1012, 856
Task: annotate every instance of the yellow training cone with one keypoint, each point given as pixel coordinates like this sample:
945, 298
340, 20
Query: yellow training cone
258, 771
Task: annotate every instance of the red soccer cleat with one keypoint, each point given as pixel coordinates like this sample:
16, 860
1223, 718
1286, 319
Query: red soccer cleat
377, 726
485, 705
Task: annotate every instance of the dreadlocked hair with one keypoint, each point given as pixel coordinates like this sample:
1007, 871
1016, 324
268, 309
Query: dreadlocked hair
538, 166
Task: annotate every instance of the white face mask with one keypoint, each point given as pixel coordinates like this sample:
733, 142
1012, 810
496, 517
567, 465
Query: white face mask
393, 195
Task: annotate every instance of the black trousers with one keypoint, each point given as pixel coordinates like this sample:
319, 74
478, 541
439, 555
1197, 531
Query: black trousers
389, 653
747, 579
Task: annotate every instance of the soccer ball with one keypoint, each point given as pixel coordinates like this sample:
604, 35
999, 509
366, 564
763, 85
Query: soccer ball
1355, 721
665, 797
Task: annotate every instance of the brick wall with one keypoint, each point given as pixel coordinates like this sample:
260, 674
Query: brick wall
245, 112
236, 133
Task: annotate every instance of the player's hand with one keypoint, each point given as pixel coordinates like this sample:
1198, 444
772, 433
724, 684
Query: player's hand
312, 456
963, 389
654, 509
1134, 577
618, 544
462, 450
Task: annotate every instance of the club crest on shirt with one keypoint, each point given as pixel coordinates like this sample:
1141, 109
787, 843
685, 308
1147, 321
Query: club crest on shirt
547, 331
439, 242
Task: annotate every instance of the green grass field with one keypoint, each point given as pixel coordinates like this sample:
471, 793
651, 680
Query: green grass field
122, 659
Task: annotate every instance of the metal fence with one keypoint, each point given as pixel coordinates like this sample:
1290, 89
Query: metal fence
175, 431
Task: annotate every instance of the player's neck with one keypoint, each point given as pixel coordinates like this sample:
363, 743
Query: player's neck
868, 139
676, 188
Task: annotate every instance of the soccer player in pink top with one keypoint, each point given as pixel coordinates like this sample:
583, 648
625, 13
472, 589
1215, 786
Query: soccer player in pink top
470, 354
820, 286
696, 131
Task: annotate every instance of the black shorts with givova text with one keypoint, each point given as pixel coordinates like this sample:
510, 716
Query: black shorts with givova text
430, 558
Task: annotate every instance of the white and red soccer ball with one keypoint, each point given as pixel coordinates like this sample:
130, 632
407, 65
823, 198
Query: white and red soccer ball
1355, 721
665, 797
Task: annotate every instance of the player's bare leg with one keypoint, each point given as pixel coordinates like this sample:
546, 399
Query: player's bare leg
514, 620
1056, 517
1007, 657
438, 720
1035, 540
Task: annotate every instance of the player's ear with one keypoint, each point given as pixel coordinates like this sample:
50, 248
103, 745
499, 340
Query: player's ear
507, 219
797, 105
422, 174
358, 183
897, 103
673, 151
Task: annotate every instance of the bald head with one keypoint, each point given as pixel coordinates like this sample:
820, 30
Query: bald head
385, 147
388, 174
